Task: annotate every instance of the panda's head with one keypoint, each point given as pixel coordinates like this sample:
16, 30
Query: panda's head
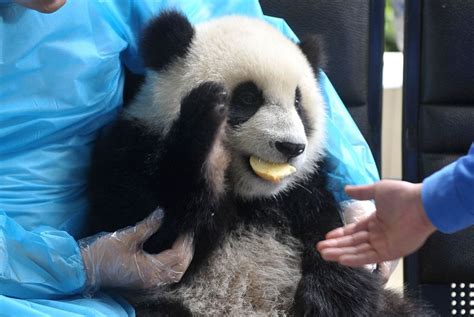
276, 111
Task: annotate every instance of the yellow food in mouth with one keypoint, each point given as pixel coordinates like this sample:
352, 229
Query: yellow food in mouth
269, 171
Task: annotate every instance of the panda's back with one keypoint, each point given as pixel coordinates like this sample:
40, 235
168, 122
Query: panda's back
254, 272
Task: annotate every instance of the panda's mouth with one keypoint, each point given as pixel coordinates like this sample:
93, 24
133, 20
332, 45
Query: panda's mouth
270, 171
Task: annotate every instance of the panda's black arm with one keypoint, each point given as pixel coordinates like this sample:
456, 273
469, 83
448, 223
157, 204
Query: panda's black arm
326, 288
183, 170
190, 180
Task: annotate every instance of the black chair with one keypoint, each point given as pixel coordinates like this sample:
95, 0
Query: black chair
438, 127
353, 35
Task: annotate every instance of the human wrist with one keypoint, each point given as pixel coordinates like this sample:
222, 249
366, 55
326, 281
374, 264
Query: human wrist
426, 225
92, 283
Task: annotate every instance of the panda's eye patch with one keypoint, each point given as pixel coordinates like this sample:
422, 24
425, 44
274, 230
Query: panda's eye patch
247, 94
301, 112
248, 98
298, 99
245, 101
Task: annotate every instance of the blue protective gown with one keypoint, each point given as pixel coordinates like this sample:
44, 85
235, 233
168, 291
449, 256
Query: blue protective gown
448, 195
61, 80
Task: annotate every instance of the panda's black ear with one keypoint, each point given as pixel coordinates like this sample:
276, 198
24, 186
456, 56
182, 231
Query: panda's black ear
166, 37
313, 47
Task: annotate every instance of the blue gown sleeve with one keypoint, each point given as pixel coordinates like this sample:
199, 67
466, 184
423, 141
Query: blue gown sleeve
52, 105
41, 263
448, 195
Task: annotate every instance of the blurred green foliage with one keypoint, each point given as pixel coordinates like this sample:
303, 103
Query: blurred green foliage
390, 44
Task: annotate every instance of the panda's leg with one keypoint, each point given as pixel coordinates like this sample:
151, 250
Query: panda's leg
163, 307
326, 288
190, 176
329, 289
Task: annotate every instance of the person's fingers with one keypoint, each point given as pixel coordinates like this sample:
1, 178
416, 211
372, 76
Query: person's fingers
159, 269
184, 247
360, 259
364, 192
362, 225
333, 254
165, 260
138, 234
345, 241
341, 231
170, 265
179, 255
151, 224
167, 267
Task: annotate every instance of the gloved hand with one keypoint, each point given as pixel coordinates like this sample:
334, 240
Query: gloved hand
117, 260
357, 210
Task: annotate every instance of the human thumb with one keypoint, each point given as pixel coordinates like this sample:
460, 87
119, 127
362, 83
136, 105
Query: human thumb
364, 192
145, 228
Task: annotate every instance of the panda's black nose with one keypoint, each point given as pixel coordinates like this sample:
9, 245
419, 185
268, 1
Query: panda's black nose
290, 150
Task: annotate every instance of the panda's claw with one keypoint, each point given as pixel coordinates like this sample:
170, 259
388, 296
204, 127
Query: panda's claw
206, 103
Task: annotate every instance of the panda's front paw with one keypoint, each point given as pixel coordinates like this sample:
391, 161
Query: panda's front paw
206, 104
195, 141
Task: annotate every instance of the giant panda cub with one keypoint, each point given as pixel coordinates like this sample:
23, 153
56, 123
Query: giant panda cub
227, 135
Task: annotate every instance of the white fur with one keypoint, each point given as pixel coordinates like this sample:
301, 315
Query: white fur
232, 50
253, 274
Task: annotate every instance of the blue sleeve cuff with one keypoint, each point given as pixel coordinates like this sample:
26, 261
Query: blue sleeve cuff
443, 202
42, 263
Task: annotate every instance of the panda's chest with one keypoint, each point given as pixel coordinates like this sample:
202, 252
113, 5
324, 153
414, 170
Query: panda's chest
252, 274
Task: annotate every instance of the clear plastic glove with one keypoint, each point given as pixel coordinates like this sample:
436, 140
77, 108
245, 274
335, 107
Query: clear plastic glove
117, 260
357, 210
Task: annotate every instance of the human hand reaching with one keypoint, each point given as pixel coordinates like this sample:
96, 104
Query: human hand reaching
117, 260
397, 228
358, 210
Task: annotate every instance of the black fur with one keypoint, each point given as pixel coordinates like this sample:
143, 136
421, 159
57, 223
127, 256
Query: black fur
166, 38
302, 113
312, 47
165, 306
246, 99
122, 177
182, 188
